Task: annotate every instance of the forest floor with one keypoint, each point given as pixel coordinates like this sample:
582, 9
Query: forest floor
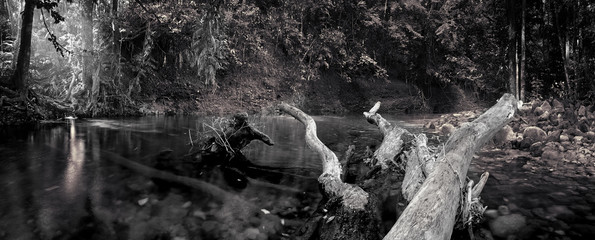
328, 95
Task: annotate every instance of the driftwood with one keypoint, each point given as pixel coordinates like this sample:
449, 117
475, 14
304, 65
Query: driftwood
353, 196
431, 213
219, 153
237, 135
434, 184
348, 206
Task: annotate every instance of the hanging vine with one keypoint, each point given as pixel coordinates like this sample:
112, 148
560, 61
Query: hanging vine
209, 50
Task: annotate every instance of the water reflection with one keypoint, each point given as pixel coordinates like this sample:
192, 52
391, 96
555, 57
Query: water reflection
75, 162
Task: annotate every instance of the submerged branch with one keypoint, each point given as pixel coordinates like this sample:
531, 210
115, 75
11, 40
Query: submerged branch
202, 186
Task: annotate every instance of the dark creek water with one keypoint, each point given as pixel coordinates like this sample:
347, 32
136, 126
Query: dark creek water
56, 182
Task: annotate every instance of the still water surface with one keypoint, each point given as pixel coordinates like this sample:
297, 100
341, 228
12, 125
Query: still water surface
55, 183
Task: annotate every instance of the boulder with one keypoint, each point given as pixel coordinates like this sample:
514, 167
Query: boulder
538, 111
554, 119
557, 106
532, 135
546, 106
590, 135
544, 117
536, 149
534, 104
507, 225
554, 136
583, 125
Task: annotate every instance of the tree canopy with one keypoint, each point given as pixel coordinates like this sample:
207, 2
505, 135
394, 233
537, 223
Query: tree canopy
124, 49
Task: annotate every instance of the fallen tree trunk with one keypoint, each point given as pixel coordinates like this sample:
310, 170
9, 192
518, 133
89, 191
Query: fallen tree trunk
353, 196
431, 213
434, 202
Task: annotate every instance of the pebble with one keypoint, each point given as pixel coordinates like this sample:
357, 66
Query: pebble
564, 138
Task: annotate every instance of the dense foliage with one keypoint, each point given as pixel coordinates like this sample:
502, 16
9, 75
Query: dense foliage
136, 46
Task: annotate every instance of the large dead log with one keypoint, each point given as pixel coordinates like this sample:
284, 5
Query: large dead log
353, 197
348, 212
432, 211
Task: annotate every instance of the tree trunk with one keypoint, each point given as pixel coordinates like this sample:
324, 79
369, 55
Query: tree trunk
431, 214
19, 79
351, 212
116, 31
87, 34
523, 55
512, 49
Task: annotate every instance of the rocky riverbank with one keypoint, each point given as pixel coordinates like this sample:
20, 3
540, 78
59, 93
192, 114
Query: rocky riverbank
542, 168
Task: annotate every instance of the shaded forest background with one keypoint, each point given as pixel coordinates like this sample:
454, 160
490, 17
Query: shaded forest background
123, 57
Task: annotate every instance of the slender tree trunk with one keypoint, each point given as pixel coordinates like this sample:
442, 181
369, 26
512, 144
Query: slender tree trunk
19, 79
523, 55
512, 49
564, 49
87, 34
116, 26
